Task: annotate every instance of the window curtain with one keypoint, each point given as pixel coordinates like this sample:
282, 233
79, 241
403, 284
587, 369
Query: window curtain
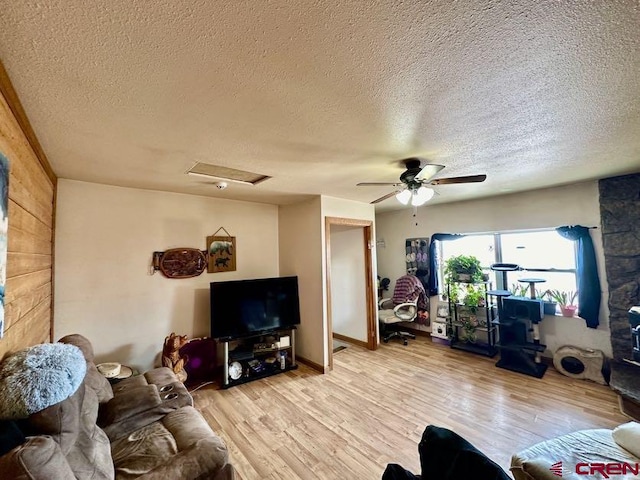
589, 293
433, 260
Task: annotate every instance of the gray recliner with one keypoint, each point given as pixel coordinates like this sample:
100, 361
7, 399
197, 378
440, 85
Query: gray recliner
144, 426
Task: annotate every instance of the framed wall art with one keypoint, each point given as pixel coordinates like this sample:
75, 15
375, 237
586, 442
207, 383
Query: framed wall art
221, 252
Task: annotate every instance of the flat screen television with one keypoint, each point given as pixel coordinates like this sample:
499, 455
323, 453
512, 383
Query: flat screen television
247, 307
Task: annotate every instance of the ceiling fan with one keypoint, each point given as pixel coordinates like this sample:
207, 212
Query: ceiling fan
413, 182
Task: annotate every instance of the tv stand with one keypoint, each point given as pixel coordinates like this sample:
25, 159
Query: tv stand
258, 356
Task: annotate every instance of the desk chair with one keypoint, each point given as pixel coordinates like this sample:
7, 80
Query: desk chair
390, 315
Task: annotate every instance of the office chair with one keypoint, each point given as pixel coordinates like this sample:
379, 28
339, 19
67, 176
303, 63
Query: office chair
390, 317
409, 297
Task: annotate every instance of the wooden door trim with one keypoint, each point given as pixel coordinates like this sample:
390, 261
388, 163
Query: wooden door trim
367, 226
350, 222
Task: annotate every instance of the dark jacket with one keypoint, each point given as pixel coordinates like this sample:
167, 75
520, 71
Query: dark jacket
445, 455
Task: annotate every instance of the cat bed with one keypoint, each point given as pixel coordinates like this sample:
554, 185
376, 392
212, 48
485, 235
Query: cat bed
38, 377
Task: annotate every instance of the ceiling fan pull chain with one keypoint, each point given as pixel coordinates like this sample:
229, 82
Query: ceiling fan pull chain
415, 214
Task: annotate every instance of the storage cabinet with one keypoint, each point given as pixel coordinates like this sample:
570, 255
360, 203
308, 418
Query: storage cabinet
471, 328
258, 356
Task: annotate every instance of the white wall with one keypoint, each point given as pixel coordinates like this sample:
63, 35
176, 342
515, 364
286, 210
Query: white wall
303, 253
105, 237
338, 207
568, 205
301, 246
348, 287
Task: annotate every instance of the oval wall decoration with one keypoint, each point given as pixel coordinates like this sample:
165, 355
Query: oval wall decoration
182, 262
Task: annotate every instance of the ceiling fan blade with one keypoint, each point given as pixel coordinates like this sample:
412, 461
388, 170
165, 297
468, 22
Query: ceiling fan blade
382, 199
465, 179
378, 184
428, 171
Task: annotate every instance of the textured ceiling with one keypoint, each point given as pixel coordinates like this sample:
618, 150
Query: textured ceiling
321, 95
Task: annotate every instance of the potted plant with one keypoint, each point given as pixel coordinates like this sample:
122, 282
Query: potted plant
463, 268
474, 298
565, 300
469, 326
549, 303
519, 290
453, 293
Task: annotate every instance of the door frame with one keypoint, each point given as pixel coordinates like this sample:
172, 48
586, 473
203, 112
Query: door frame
367, 228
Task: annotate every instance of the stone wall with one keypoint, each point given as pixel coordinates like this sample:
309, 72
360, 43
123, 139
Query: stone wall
620, 216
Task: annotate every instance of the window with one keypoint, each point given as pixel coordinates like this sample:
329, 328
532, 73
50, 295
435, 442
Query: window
541, 254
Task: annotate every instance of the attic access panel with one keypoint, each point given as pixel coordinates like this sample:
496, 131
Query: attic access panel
226, 173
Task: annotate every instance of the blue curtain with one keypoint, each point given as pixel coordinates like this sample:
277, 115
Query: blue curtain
433, 261
589, 293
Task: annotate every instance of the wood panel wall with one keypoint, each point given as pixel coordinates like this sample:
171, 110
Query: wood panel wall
32, 190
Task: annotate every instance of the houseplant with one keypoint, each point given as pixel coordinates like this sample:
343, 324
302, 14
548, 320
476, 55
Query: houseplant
549, 303
463, 268
473, 299
519, 289
565, 300
522, 290
469, 327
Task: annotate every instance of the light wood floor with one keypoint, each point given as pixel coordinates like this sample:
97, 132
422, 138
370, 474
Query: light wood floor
373, 407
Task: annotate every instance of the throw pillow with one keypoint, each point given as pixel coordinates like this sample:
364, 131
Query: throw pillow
38, 377
627, 436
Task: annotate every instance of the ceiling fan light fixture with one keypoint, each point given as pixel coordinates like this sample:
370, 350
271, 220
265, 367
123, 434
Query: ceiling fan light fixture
404, 196
421, 196
414, 179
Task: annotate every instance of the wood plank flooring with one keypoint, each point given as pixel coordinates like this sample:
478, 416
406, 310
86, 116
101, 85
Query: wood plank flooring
373, 407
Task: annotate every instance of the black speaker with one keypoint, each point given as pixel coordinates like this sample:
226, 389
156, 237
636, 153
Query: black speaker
522, 307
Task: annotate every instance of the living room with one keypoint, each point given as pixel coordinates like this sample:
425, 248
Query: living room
97, 185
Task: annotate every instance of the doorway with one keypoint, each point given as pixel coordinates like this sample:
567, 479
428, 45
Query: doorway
351, 312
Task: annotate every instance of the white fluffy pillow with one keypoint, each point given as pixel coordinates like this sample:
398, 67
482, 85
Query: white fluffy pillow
39, 376
627, 436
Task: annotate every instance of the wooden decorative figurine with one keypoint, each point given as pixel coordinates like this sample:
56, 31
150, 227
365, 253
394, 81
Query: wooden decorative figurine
171, 355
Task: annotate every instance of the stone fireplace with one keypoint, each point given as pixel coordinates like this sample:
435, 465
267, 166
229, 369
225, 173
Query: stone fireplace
620, 217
